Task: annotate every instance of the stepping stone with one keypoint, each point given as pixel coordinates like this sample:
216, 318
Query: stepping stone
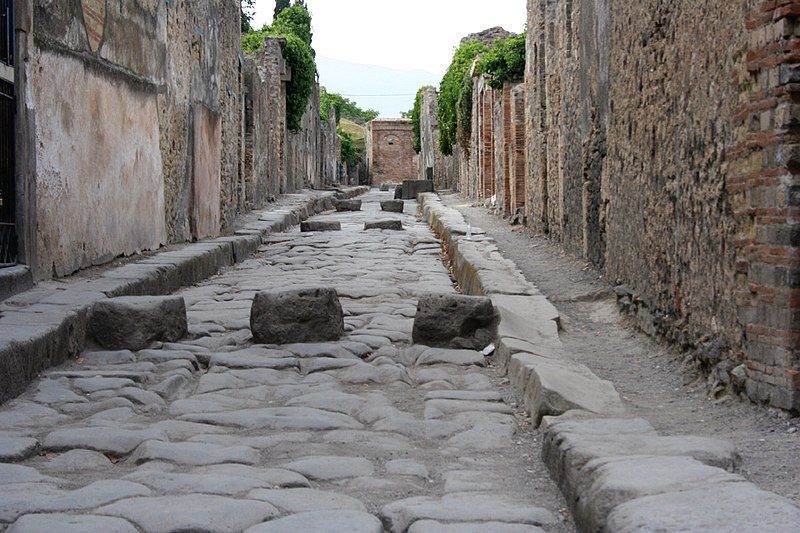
348, 205
326, 468
192, 512
111, 440
400, 515
64, 523
134, 322
16, 449
316, 225
411, 189
392, 225
393, 206
307, 315
322, 522
455, 321
193, 453
305, 500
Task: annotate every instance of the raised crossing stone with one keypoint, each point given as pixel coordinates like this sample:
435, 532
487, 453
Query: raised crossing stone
454, 321
393, 206
134, 322
347, 205
310, 226
307, 315
392, 225
413, 188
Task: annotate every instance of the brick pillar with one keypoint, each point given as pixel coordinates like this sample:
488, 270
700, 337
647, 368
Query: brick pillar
487, 143
517, 127
764, 184
507, 147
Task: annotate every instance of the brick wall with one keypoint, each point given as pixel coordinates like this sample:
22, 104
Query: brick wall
765, 195
390, 151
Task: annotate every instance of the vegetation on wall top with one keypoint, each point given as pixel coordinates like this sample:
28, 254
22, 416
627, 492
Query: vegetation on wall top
293, 24
344, 107
504, 62
454, 90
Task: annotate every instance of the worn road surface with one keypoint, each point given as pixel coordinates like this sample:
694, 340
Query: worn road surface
215, 434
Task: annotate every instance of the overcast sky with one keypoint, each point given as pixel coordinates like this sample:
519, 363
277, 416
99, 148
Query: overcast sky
397, 34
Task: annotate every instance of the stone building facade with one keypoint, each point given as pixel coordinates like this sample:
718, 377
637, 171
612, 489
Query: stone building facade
442, 169
666, 155
390, 151
132, 134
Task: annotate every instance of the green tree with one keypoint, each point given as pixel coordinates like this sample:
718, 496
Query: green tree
247, 15
504, 62
350, 153
452, 90
280, 5
344, 107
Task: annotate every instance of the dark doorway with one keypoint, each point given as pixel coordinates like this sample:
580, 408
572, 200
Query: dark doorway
8, 236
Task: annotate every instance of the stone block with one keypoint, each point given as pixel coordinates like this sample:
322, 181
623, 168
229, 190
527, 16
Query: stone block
412, 188
393, 225
454, 321
308, 315
393, 206
134, 322
348, 205
316, 225
398, 193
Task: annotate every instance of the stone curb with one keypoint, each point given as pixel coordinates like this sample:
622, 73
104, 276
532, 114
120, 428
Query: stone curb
617, 474
46, 325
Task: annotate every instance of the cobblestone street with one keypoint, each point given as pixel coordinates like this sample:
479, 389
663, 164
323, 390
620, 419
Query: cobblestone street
214, 433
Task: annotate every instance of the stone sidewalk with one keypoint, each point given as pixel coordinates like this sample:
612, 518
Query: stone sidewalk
215, 434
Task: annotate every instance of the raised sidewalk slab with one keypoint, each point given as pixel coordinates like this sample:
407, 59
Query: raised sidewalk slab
46, 325
616, 473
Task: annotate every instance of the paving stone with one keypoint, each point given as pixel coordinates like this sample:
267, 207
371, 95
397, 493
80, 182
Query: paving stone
440, 408
16, 449
11, 473
218, 484
740, 507
485, 436
407, 467
20, 414
179, 430
64, 523
306, 315
482, 396
50, 391
431, 526
171, 387
77, 461
327, 468
133, 322
325, 349
468, 481
106, 440
322, 364
436, 356
192, 512
108, 358
305, 500
89, 385
552, 387
96, 407
193, 453
330, 400
164, 356
400, 515
279, 418
247, 361
322, 522
15, 502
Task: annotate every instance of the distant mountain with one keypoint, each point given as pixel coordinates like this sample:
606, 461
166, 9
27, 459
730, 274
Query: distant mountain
378, 85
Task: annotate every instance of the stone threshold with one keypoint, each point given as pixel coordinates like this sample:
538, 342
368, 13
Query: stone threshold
46, 325
14, 280
616, 472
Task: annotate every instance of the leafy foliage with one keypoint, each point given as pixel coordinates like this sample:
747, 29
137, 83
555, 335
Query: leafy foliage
415, 115
452, 90
350, 153
344, 107
280, 5
504, 62
247, 14
293, 24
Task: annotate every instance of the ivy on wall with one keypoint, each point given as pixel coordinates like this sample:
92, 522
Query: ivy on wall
415, 115
454, 92
504, 62
293, 24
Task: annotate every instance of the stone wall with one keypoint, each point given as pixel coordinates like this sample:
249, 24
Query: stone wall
390, 151
667, 155
442, 169
136, 132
